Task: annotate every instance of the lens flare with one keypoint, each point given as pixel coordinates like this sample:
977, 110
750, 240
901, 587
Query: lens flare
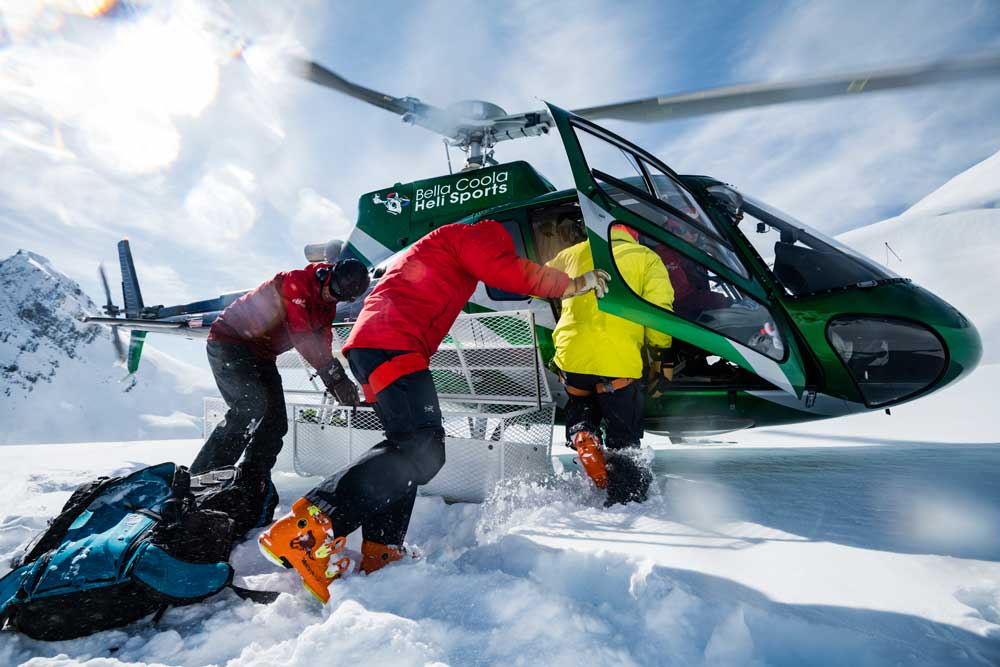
95, 8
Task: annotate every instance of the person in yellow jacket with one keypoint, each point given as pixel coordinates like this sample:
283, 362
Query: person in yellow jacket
600, 360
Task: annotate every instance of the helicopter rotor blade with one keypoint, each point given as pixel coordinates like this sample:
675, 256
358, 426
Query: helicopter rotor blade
117, 342
112, 310
313, 71
410, 108
104, 282
731, 98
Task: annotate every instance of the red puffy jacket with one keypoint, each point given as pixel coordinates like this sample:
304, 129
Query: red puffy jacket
286, 311
417, 300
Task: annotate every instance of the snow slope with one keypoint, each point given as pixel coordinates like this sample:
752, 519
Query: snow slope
59, 378
949, 243
745, 556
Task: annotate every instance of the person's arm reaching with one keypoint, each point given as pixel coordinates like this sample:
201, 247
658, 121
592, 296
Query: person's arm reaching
315, 345
488, 254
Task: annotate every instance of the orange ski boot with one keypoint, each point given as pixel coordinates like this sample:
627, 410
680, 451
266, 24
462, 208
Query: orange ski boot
303, 540
375, 556
591, 456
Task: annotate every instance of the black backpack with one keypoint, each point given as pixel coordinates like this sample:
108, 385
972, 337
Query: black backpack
126, 547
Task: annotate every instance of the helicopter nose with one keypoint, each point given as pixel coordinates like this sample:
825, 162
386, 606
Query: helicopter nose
917, 345
965, 349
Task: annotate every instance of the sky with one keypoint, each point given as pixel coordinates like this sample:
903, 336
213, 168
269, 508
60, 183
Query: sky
219, 168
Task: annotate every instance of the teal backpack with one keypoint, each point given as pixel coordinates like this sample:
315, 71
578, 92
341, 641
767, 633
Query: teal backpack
121, 549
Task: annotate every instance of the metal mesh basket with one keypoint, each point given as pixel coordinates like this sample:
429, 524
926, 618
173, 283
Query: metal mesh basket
496, 408
481, 448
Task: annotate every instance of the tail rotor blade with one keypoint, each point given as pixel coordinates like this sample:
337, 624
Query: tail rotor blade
117, 342
112, 311
104, 282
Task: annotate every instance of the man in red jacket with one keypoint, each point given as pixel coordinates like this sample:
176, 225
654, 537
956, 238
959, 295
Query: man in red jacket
293, 309
402, 324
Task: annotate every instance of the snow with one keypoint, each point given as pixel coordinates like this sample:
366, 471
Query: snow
745, 555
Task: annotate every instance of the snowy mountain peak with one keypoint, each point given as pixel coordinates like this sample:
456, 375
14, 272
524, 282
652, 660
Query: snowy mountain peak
978, 187
59, 378
41, 313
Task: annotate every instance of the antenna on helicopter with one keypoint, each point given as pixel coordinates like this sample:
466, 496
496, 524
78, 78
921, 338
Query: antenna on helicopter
476, 126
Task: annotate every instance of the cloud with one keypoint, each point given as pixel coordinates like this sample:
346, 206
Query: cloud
847, 162
220, 208
318, 219
162, 284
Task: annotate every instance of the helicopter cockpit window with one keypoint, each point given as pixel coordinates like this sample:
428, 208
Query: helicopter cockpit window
803, 260
699, 295
514, 229
642, 188
556, 228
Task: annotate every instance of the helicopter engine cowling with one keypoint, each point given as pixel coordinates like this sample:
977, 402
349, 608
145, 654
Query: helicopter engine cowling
328, 252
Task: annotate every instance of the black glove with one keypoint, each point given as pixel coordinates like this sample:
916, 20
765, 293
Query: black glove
662, 364
338, 384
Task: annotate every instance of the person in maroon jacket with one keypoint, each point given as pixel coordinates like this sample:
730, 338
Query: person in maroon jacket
692, 292
402, 324
292, 309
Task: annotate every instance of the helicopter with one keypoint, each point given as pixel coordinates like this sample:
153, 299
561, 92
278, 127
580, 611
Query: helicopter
778, 323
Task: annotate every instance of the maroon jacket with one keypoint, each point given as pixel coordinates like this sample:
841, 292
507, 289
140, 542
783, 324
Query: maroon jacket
692, 293
286, 311
417, 300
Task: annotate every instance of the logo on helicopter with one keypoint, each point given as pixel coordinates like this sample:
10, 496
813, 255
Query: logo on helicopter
393, 202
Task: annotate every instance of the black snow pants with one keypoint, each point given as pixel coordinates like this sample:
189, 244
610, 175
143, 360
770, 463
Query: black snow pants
619, 414
256, 420
377, 491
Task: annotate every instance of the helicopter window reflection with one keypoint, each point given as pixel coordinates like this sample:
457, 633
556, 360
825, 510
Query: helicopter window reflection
495, 293
556, 228
639, 186
803, 260
705, 298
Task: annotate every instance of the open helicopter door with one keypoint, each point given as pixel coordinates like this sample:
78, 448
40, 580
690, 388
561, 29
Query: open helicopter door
718, 306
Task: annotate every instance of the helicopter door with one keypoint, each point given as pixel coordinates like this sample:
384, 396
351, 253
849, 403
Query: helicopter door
630, 198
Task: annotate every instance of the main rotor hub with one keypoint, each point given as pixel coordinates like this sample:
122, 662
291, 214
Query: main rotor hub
476, 110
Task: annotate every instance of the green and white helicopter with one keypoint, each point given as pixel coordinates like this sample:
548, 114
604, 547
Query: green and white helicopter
777, 324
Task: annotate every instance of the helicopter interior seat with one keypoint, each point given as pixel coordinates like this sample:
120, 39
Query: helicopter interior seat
791, 265
804, 270
695, 366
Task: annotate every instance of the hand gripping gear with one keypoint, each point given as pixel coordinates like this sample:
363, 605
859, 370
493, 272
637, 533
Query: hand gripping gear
338, 384
596, 280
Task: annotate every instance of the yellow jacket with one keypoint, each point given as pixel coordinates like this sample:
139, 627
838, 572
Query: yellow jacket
590, 341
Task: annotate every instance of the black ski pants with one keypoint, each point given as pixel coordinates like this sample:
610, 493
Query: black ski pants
256, 420
377, 491
619, 412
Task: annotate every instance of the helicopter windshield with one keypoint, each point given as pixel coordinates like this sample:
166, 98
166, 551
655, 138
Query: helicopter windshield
644, 189
803, 260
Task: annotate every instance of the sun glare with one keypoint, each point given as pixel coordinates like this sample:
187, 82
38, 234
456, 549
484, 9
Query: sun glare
151, 73
95, 8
